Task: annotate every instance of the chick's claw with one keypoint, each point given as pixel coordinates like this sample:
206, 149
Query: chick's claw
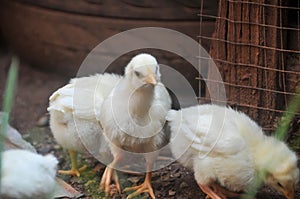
224, 193
143, 188
107, 177
210, 193
74, 171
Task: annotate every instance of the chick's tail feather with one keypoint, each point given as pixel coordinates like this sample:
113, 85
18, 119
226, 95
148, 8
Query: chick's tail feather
171, 115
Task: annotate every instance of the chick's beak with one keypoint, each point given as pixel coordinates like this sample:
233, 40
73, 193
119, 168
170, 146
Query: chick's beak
150, 79
288, 193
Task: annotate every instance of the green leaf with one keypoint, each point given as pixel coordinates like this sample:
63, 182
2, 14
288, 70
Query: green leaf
8, 100
288, 116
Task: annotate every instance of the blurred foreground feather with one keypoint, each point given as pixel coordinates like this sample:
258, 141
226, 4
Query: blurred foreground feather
7, 104
24, 173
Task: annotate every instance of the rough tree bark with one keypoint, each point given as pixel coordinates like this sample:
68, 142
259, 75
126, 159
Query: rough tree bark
246, 47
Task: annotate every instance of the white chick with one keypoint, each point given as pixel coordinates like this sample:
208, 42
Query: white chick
74, 112
27, 175
133, 117
228, 149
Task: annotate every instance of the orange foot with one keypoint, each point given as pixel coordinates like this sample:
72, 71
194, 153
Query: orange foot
73, 171
109, 175
210, 193
224, 192
143, 188
74, 168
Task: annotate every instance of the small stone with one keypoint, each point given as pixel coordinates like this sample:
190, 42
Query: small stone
43, 121
88, 183
134, 180
172, 192
57, 147
44, 150
26, 136
175, 175
183, 185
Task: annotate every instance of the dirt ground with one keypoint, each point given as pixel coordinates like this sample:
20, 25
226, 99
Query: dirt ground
34, 88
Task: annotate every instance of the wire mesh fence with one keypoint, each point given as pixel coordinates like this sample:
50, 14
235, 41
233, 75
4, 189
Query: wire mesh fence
256, 46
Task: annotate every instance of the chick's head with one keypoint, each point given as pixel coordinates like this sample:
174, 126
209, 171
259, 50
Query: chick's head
143, 70
282, 170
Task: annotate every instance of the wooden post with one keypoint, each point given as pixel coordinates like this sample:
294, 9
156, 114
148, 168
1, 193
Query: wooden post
246, 47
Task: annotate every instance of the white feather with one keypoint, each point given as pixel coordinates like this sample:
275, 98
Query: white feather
27, 175
226, 146
74, 112
134, 114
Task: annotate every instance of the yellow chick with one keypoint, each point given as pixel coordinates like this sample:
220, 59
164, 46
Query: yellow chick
74, 112
226, 149
133, 117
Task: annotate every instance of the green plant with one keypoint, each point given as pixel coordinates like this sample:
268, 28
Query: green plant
288, 116
280, 133
7, 103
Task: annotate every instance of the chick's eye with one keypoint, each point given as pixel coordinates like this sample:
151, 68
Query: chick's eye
280, 185
138, 74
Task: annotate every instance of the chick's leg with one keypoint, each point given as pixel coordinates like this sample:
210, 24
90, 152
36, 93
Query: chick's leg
74, 168
210, 193
226, 193
109, 175
144, 187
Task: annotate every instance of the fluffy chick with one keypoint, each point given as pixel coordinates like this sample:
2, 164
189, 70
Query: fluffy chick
74, 112
27, 175
133, 117
225, 147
